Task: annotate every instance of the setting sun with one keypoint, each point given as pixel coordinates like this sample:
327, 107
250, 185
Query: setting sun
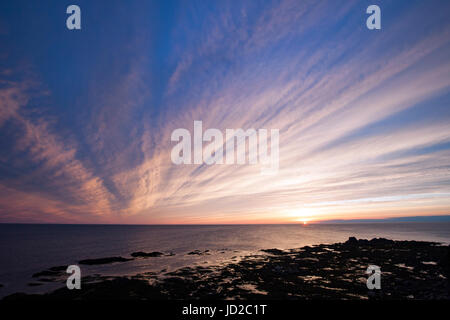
305, 221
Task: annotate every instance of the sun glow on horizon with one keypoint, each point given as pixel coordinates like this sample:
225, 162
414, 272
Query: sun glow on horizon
305, 221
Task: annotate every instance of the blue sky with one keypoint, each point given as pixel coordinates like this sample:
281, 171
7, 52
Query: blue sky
86, 115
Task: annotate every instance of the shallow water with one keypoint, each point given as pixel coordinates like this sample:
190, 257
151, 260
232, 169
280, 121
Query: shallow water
27, 249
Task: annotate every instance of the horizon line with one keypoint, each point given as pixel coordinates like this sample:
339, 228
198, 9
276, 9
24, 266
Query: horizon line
439, 218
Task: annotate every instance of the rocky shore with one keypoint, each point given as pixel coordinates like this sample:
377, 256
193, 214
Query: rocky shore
409, 270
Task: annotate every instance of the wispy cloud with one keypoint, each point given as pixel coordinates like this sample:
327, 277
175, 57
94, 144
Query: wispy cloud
58, 186
364, 130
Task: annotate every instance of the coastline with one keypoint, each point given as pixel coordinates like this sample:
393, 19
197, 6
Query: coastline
410, 270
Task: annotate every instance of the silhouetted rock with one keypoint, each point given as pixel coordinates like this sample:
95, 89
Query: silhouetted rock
381, 241
35, 284
445, 264
103, 260
273, 251
198, 252
21, 296
117, 289
58, 268
46, 273
146, 254
352, 241
51, 272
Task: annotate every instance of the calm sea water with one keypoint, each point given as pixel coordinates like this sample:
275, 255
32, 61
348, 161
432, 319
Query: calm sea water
27, 249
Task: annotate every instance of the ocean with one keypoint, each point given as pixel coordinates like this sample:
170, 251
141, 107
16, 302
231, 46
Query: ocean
29, 248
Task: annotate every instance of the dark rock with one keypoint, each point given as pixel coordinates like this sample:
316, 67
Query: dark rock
381, 241
117, 289
273, 251
198, 252
20, 296
352, 241
445, 262
58, 268
51, 272
103, 260
46, 273
147, 254
34, 284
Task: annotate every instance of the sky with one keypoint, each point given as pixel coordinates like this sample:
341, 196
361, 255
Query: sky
86, 115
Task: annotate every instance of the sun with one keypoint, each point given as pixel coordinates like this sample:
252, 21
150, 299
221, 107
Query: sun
304, 221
